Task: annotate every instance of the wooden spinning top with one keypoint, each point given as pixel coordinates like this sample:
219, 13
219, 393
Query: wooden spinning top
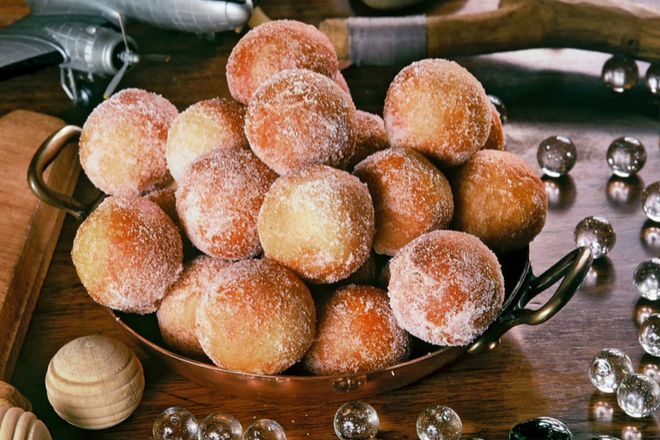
94, 382
18, 424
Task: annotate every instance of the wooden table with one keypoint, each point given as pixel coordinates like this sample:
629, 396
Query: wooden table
536, 371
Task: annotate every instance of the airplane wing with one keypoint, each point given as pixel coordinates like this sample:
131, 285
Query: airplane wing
20, 55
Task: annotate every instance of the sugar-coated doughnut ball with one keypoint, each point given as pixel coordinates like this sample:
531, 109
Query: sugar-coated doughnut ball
218, 200
122, 145
207, 125
177, 313
357, 332
500, 199
438, 108
260, 318
369, 136
127, 253
411, 197
446, 287
318, 221
300, 118
496, 138
275, 46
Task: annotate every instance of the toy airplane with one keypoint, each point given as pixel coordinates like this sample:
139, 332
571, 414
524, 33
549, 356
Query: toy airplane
87, 38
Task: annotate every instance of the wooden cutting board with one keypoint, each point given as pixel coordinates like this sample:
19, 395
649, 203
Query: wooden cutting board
28, 227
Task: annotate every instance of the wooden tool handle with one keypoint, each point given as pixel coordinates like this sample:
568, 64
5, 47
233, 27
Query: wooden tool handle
607, 26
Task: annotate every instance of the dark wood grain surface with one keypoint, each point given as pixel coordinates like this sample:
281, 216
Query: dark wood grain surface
536, 371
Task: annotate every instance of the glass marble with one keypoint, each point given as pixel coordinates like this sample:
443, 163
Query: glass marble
556, 155
175, 424
608, 369
620, 73
220, 427
439, 422
499, 106
597, 233
647, 279
264, 429
638, 395
649, 335
541, 428
651, 201
605, 437
356, 420
626, 156
653, 78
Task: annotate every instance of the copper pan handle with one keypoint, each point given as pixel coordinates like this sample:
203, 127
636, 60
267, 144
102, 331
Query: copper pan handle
45, 155
571, 270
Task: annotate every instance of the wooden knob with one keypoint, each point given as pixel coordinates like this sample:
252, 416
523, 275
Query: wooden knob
9, 396
18, 424
94, 382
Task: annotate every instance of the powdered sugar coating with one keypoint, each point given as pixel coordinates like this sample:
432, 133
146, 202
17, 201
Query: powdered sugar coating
438, 108
411, 197
368, 134
177, 313
318, 221
446, 287
258, 318
218, 200
357, 332
122, 145
273, 47
500, 199
127, 253
204, 126
496, 138
300, 118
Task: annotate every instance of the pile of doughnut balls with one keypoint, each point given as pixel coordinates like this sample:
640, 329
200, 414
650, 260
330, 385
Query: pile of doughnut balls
260, 229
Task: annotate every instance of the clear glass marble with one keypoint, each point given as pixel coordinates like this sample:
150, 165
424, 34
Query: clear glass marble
638, 395
264, 429
220, 427
556, 155
499, 106
597, 233
651, 201
541, 428
649, 335
653, 78
626, 156
608, 369
620, 73
646, 279
175, 424
439, 422
356, 420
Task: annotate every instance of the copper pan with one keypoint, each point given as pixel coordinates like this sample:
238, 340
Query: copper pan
521, 287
